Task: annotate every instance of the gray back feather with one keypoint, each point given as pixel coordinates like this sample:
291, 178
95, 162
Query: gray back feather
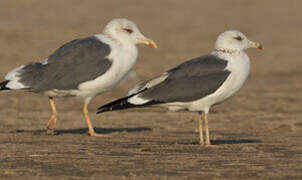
75, 62
190, 81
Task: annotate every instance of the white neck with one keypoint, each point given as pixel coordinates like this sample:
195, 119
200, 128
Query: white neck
228, 51
120, 39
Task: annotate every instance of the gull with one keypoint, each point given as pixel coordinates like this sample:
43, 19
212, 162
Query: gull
82, 68
198, 84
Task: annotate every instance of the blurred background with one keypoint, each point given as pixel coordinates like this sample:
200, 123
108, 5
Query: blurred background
31, 30
270, 101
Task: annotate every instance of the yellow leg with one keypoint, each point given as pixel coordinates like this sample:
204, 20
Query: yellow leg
208, 142
90, 127
201, 141
53, 119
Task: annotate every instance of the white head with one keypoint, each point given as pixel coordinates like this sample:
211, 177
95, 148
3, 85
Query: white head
234, 40
124, 30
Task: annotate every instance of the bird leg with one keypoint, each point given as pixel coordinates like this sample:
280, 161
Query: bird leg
201, 141
207, 132
90, 126
52, 121
208, 142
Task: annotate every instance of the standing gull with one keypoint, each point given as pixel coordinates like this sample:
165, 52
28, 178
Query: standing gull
83, 67
198, 84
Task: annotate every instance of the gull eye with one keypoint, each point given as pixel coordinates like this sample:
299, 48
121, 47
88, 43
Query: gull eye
239, 38
128, 30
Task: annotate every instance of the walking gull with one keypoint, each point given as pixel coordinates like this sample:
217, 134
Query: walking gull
198, 84
83, 67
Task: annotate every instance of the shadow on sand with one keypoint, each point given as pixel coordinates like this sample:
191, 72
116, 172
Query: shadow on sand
85, 130
236, 141
231, 141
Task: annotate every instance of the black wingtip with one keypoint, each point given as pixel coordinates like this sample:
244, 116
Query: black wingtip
3, 85
103, 109
116, 105
123, 103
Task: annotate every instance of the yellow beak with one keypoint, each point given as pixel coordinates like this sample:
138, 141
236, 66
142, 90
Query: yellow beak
149, 42
256, 45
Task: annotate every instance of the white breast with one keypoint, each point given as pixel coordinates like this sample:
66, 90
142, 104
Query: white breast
239, 66
123, 58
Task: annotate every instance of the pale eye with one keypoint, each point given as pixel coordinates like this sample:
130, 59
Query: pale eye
128, 30
239, 38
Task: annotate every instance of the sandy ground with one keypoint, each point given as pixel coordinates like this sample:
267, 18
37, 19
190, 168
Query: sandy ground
258, 131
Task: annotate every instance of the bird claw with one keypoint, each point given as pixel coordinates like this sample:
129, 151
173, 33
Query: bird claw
97, 134
50, 131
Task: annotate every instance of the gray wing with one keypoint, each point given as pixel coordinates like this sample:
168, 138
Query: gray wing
189, 81
75, 62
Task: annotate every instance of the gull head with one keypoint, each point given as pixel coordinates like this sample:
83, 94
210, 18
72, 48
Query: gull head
234, 40
126, 31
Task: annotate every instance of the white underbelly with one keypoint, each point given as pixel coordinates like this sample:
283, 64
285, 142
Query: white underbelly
96, 86
108, 80
229, 88
232, 85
